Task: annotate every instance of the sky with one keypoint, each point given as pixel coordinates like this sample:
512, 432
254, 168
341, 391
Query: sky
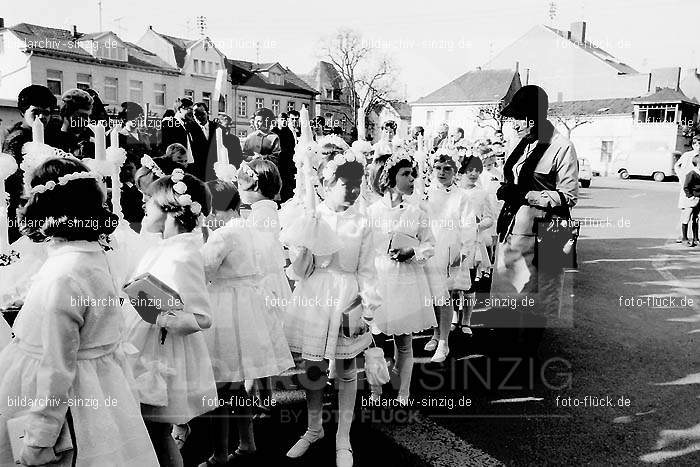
430, 42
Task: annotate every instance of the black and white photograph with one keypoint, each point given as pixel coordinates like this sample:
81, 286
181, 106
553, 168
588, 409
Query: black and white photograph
371, 234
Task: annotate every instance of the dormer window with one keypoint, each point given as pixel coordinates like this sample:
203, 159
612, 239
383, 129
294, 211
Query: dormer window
329, 93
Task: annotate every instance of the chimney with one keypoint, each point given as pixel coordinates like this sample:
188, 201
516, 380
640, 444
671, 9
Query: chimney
75, 31
578, 32
2, 23
517, 66
150, 26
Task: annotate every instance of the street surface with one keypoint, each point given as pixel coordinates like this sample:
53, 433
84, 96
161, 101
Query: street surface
597, 393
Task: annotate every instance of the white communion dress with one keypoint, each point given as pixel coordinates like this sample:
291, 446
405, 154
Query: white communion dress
406, 298
342, 281
246, 340
183, 359
68, 355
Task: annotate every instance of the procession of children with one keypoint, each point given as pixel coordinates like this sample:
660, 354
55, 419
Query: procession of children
221, 288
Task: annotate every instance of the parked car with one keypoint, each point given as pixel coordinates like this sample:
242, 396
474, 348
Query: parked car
584, 172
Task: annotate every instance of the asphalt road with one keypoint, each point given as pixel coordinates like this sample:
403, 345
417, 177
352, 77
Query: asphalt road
633, 333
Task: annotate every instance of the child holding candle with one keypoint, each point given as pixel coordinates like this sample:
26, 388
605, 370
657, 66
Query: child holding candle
69, 333
180, 361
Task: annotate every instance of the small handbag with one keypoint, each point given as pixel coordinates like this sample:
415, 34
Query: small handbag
376, 368
555, 246
458, 277
352, 324
304, 265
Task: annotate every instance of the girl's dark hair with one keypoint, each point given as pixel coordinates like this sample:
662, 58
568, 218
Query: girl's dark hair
390, 125
390, 180
471, 162
162, 193
74, 211
351, 171
445, 159
269, 181
224, 196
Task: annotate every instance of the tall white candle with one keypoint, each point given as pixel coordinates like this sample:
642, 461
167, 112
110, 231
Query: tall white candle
361, 133
38, 131
4, 222
100, 149
114, 136
117, 193
221, 151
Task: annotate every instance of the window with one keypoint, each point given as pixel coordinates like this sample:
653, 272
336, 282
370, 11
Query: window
448, 115
159, 94
329, 93
656, 113
206, 98
429, 118
259, 103
136, 91
242, 134
189, 93
290, 106
2, 44
54, 81
276, 106
111, 94
83, 81
242, 106
222, 103
196, 66
329, 119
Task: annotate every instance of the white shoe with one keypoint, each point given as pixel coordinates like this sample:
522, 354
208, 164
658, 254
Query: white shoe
466, 330
431, 345
441, 353
304, 443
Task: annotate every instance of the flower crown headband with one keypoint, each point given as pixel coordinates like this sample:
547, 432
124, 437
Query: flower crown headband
392, 161
63, 180
334, 164
248, 170
180, 188
451, 153
150, 164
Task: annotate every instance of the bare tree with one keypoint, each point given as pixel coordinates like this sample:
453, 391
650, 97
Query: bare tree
368, 78
569, 120
489, 116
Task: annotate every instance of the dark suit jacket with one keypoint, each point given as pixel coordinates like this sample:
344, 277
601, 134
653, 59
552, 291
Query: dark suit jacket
172, 131
135, 148
204, 150
265, 145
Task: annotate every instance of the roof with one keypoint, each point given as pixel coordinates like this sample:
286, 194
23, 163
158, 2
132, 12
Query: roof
473, 86
250, 76
665, 96
616, 106
323, 75
597, 52
180, 47
60, 42
402, 108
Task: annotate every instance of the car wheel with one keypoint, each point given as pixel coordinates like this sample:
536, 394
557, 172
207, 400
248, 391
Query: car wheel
623, 174
585, 183
659, 176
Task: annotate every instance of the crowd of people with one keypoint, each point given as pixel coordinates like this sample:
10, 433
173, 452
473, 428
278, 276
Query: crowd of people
313, 253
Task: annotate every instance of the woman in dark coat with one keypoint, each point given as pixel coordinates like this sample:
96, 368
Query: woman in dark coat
691, 188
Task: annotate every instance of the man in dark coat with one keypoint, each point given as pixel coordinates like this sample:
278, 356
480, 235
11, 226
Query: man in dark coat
175, 129
285, 164
131, 138
231, 142
33, 102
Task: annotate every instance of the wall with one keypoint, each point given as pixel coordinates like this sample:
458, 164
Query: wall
99, 72
558, 65
159, 46
588, 139
201, 82
462, 115
242, 124
16, 65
